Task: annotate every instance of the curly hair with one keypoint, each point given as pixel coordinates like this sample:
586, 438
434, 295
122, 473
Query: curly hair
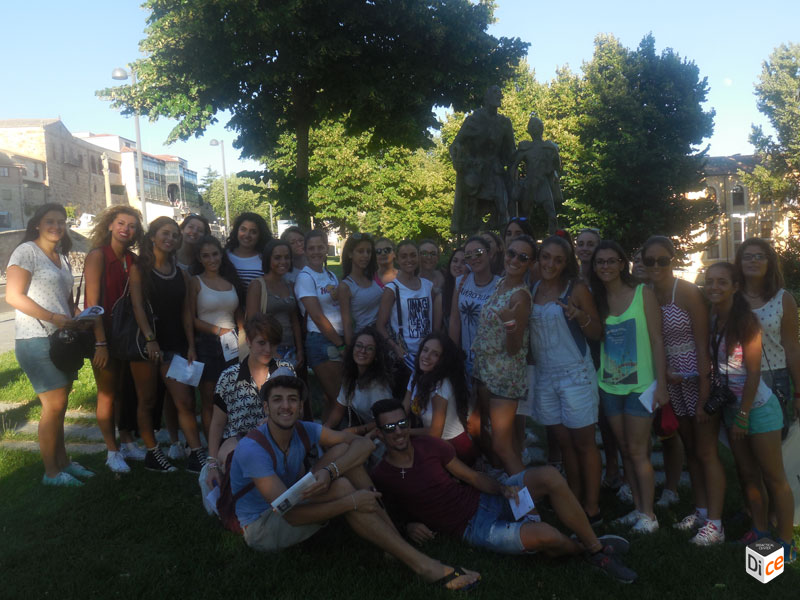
264, 234
378, 371
450, 366
101, 236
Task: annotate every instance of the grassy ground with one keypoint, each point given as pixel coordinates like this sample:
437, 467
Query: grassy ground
146, 535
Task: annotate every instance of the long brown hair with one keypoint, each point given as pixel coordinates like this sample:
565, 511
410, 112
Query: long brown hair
742, 324
773, 279
147, 258
101, 236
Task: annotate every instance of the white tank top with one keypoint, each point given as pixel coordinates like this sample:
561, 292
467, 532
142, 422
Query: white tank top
217, 307
770, 315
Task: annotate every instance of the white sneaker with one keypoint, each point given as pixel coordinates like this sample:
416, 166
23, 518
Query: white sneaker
624, 494
645, 525
690, 522
176, 451
668, 498
708, 535
130, 451
629, 519
117, 463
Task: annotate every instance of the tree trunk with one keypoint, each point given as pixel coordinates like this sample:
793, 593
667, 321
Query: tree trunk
302, 117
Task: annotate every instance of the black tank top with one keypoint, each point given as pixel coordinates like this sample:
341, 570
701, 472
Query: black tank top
168, 293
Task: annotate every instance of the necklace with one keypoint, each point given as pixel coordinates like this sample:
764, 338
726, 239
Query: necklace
403, 473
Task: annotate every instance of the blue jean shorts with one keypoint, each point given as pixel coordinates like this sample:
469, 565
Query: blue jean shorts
629, 405
319, 349
33, 355
493, 526
287, 353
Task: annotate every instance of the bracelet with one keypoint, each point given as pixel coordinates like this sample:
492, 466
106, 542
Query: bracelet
511, 323
100, 344
589, 320
355, 506
330, 471
212, 466
150, 338
742, 426
333, 465
342, 348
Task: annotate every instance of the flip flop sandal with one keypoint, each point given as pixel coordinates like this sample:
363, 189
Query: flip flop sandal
457, 572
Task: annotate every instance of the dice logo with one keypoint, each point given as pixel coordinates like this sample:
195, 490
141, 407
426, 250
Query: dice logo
764, 559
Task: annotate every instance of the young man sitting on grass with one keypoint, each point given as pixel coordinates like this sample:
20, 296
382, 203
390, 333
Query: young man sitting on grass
342, 486
420, 478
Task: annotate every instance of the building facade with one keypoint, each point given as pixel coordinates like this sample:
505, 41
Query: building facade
22, 189
741, 215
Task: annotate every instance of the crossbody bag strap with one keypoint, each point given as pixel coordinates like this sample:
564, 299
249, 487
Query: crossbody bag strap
262, 441
399, 310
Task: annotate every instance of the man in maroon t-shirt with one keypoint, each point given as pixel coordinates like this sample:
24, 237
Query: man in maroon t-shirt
429, 490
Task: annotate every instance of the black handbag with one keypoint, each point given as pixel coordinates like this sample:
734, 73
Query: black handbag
70, 347
127, 342
786, 408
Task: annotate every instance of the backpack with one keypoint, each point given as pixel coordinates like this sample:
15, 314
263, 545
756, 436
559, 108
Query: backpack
226, 503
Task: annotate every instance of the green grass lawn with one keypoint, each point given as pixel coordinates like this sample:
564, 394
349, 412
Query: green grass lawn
146, 535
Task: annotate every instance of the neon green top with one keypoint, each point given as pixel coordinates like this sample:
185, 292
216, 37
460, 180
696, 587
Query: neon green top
626, 359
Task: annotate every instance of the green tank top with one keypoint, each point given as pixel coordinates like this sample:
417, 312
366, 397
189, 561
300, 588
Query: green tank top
626, 360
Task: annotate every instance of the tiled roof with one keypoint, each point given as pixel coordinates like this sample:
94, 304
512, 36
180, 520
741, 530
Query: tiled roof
729, 165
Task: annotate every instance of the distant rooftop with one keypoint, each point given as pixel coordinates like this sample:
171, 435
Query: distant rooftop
728, 165
12, 123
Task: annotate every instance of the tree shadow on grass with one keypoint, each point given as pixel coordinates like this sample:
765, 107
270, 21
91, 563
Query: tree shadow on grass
10, 375
11, 419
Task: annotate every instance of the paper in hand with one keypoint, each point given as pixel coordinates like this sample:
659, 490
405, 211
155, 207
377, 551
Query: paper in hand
294, 495
181, 370
90, 312
523, 506
230, 345
646, 397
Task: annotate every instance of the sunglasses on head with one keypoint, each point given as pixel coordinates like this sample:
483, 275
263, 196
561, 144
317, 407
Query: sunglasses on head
661, 261
361, 236
390, 427
518, 220
522, 256
387, 250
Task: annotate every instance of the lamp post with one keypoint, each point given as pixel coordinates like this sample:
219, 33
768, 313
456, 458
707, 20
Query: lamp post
743, 217
121, 74
221, 145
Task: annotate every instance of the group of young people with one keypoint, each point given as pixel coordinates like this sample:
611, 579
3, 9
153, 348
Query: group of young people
407, 354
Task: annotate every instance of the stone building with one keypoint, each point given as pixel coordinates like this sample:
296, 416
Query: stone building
88, 171
22, 188
742, 215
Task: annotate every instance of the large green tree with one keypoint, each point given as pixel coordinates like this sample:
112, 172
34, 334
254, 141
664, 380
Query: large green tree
244, 195
284, 66
777, 177
640, 127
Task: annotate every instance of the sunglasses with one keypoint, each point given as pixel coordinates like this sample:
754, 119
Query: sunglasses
474, 254
661, 261
512, 254
390, 427
610, 262
517, 220
387, 250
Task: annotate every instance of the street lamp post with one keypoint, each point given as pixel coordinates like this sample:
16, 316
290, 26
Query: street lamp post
121, 74
221, 145
743, 217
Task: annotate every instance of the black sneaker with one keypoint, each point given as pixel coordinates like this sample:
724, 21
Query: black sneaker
614, 544
156, 461
611, 566
197, 458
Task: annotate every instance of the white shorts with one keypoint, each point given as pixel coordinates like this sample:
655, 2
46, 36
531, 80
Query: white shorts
566, 396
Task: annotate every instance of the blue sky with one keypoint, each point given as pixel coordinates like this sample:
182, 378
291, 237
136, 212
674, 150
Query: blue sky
56, 55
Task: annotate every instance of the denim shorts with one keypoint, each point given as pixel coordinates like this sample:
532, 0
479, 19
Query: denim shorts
319, 349
566, 396
287, 353
628, 405
765, 418
493, 526
33, 355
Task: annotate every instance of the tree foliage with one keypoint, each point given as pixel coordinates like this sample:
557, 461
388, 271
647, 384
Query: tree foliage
777, 177
244, 195
285, 66
640, 124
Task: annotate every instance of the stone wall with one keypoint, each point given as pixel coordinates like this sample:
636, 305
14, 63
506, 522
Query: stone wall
11, 239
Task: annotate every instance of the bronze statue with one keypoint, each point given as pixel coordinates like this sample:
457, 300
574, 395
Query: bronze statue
481, 151
535, 171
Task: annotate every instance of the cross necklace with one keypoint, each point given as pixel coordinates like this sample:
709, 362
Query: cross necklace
402, 472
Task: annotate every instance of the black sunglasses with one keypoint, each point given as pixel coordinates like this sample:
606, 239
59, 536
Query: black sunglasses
387, 250
390, 427
662, 261
512, 254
